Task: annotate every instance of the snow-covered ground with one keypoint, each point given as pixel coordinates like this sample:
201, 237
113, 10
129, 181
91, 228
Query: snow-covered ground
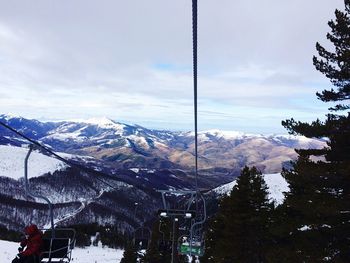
277, 186
276, 183
225, 188
80, 255
12, 162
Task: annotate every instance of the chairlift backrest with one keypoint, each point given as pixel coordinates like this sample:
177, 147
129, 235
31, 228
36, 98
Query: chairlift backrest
142, 237
58, 248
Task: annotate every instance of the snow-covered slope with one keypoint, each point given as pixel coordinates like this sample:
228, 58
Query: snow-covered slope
12, 163
225, 188
8, 251
276, 183
277, 186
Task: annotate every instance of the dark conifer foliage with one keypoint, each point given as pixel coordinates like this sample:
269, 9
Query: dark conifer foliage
240, 230
130, 254
10, 235
318, 204
159, 249
335, 65
109, 235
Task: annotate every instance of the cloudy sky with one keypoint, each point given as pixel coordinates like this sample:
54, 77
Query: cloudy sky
131, 61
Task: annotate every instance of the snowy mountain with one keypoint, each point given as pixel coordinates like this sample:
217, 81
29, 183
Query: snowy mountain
132, 146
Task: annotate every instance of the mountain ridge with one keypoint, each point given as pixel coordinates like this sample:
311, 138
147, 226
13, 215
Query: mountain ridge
127, 146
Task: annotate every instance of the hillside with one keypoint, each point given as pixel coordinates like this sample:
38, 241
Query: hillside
125, 164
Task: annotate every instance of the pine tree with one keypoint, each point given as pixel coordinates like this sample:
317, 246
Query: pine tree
159, 250
318, 204
130, 254
239, 232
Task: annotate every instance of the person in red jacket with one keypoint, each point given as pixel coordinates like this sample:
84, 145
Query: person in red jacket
30, 247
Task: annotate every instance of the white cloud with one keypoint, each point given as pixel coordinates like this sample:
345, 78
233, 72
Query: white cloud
61, 59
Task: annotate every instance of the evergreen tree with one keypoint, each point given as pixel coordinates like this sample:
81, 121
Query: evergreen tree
130, 254
318, 204
239, 232
159, 250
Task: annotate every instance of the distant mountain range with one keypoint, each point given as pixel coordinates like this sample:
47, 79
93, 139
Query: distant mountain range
135, 160
131, 146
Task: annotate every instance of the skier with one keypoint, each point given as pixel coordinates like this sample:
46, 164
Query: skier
32, 243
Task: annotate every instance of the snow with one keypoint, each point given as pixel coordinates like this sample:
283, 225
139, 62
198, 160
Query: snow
8, 250
291, 137
225, 189
67, 136
139, 140
96, 255
284, 139
304, 228
91, 254
227, 135
102, 122
135, 170
9, 116
62, 134
12, 163
276, 184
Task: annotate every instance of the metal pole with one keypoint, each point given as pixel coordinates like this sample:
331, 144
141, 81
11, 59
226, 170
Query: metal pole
174, 248
29, 193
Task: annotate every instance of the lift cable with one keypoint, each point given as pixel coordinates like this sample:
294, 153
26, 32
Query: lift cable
194, 38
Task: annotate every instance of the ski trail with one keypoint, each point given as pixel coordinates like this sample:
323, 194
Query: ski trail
82, 206
74, 213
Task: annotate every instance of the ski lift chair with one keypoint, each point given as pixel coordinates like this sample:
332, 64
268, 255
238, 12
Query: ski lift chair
164, 244
194, 243
187, 198
57, 243
194, 247
191, 243
142, 237
58, 248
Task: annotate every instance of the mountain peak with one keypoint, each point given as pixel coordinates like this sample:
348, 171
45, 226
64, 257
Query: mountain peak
10, 116
102, 122
228, 135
